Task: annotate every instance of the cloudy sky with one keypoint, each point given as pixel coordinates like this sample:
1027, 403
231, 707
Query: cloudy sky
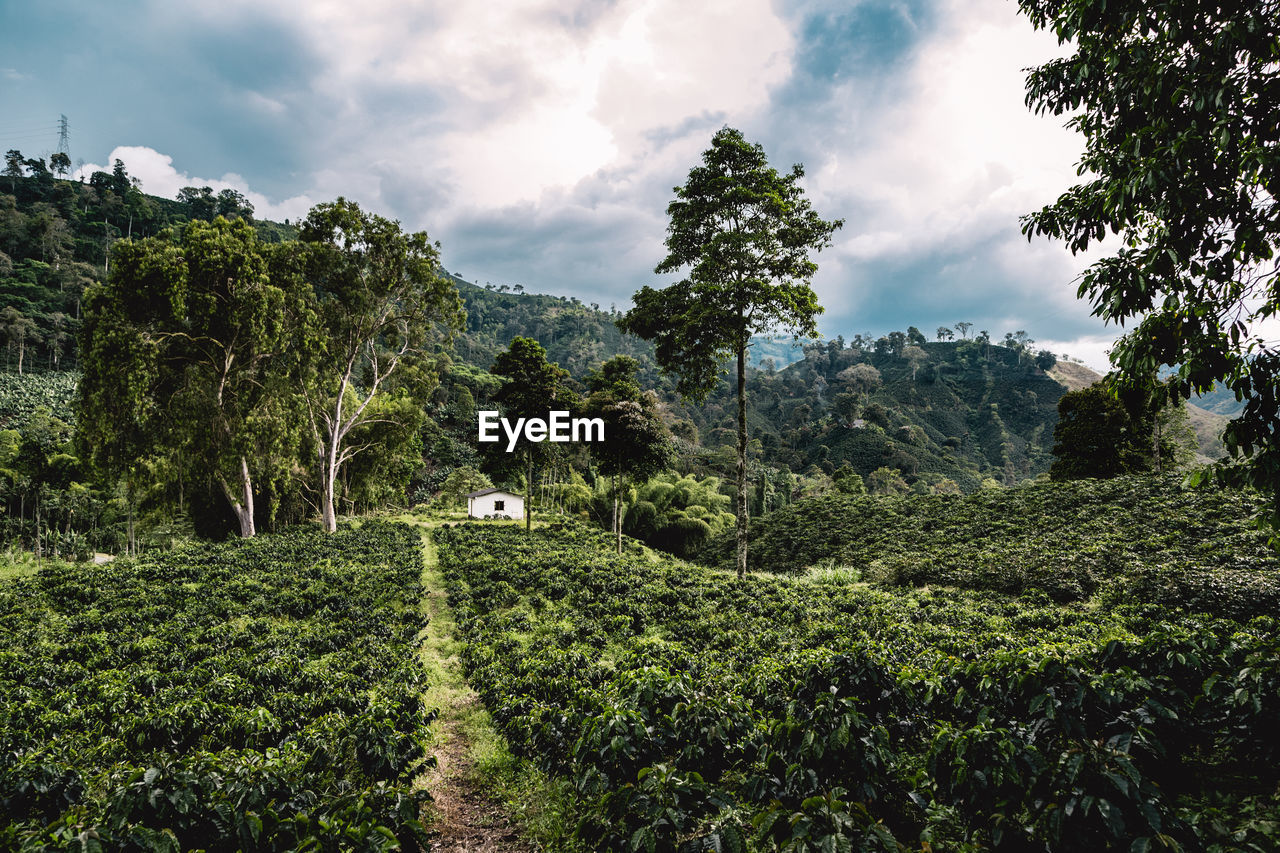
539, 141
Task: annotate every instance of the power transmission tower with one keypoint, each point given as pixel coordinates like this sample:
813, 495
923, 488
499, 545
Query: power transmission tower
64, 137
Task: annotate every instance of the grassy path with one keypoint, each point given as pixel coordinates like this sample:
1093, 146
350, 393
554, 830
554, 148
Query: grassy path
474, 783
463, 816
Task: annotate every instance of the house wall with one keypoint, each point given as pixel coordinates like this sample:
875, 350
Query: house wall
484, 505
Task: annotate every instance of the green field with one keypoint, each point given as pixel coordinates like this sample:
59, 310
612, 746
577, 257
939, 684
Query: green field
275, 694
1131, 538
691, 710
260, 695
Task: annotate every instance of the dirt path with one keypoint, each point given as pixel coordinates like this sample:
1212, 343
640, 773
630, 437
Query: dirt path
462, 817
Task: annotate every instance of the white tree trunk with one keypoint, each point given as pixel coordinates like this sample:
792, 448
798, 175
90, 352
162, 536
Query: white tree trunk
242, 504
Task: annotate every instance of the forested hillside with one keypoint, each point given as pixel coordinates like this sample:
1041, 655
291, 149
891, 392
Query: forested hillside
55, 240
949, 414
891, 414
945, 413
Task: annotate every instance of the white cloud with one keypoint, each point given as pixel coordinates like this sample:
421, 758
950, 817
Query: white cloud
160, 178
962, 157
1091, 350
263, 104
522, 98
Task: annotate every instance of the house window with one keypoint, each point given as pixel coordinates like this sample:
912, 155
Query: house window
498, 506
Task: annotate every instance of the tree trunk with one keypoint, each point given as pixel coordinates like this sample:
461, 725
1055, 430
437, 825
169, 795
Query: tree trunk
617, 520
328, 481
22, 350
528, 498
742, 461
328, 518
1155, 444
243, 505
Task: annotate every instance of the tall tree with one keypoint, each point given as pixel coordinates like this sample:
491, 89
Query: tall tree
745, 232
915, 356
1179, 106
13, 168
533, 388
1096, 437
636, 444
184, 351
60, 162
383, 310
20, 329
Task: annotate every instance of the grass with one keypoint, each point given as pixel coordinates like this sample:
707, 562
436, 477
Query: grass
17, 563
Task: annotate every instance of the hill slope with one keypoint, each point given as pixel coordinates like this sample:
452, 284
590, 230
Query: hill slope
1184, 547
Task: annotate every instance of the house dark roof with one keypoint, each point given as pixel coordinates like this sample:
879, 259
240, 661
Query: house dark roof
484, 492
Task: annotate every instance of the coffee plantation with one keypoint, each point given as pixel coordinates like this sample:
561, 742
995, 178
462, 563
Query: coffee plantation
691, 710
257, 695
1133, 537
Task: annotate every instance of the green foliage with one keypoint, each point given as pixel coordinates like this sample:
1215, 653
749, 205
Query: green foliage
692, 710
886, 481
186, 353
1177, 103
204, 205
1110, 429
261, 695
636, 443
21, 396
678, 513
847, 481
533, 387
576, 336
379, 314
1096, 437
461, 482
1145, 538
745, 232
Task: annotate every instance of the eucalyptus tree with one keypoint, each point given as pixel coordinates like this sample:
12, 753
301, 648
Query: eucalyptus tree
745, 233
382, 313
185, 352
19, 329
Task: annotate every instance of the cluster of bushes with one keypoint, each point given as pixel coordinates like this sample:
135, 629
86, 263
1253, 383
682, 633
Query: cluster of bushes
262, 695
1143, 537
691, 710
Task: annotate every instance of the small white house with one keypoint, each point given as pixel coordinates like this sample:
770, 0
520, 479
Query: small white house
495, 503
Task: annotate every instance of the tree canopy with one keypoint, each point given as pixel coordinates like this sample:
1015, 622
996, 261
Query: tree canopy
636, 443
1179, 106
184, 348
381, 311
533, 388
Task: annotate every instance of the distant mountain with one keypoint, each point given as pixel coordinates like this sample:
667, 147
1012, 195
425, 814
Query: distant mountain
783, 349
964, 413
1220, 401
